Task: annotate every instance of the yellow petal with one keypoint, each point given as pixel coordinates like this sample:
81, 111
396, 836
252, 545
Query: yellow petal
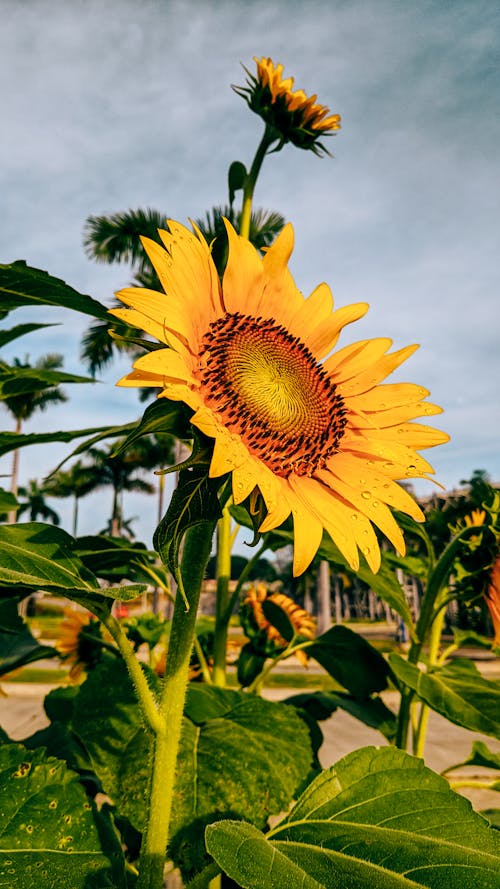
165, 311
374, 509
322, 502
356, 358
166, 362
377, 372
140, 378
243, 280
322, 340
415, 435
389, 395
359, 473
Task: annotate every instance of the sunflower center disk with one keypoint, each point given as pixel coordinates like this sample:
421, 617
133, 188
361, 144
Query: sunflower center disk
267, 387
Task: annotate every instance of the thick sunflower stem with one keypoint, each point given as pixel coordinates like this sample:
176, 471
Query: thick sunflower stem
223, 573
197, 547
246, 210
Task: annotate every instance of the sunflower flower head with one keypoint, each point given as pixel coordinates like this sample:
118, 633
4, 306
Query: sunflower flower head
258, 628
294, 116
80, 652
309, 428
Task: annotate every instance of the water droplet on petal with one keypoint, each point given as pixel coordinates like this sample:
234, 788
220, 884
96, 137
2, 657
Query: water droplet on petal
375, 503
354, 516
388, 466
365, 495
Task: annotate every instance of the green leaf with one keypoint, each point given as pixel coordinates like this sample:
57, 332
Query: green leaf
371, 711
480, 755
240, 756
7, 501
21, 381
378, 819
236, 178
50, 834
17, 646
160, 417
456, 691
42, 557
194, 502
7, 336
351, 660
11, 441
279, 619
22, 285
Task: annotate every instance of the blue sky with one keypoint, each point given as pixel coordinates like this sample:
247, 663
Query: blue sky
107, 106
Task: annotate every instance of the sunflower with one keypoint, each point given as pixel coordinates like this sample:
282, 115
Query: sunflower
295, 117
309, 429
254, 620
77, 651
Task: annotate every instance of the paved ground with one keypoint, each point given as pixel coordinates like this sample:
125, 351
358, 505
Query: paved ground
21, 714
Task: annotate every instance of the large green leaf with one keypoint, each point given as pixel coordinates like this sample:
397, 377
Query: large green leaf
21, 285
17, 646
457, 691
50, 834
351, 660
7, 336
20, 381
11, 441
371, 711
40, 556
159, 418
240, 756
378, 819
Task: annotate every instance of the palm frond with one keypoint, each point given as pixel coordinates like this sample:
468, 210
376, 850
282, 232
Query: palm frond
116, 238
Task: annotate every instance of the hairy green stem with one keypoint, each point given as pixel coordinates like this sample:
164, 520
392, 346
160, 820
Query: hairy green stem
197, 547
223, 573
147, 701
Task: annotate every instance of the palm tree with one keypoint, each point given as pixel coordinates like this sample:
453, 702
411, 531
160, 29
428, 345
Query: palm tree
22, 406
36, 504
116, 239
76, 482
121, 473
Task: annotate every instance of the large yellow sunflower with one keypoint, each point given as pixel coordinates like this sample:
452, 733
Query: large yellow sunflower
311, 428
297, 117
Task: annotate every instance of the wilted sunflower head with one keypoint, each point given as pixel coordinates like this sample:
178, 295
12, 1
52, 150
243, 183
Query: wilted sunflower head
81, 652
260, 629
308, 428
295, 117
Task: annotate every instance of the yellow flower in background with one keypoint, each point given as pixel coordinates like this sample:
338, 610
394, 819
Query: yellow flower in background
493, 600
76, 651
311, 429
476, 517
296, 117
302, 622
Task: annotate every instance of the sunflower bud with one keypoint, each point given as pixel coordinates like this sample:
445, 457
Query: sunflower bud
290, 114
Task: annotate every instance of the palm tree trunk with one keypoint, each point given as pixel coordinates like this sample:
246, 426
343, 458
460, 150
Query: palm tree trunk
12, 516
75, 515
115, 516
324, 601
